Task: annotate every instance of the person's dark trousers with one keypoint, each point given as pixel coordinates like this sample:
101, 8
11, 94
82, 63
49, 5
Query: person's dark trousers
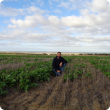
61, 68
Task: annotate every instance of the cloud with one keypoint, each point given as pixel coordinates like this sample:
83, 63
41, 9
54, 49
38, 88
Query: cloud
37, 2
90, 29
54, 20
73, 4
11, 26
12, 43
73, 21
7, 0
87, 22
12, 34
30, 21
99, 5
1, 1
34, 21
6, 44
15, 12
55, 37
64, 5
2, 44
57, 11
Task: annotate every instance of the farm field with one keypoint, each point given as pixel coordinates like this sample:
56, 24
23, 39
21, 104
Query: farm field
28, 83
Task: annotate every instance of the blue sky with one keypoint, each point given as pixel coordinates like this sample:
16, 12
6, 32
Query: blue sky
55, 25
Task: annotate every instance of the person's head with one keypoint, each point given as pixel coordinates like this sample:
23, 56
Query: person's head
58, 54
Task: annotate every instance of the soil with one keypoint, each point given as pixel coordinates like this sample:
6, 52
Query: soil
87, 93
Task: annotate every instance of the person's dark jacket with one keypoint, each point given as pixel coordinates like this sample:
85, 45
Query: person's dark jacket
56, 62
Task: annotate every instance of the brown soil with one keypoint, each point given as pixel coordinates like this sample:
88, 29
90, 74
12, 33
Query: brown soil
92, 93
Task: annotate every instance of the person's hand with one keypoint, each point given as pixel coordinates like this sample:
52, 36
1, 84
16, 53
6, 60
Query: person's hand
58, 71
60, 64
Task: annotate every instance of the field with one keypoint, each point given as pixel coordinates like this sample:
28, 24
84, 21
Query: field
28, 83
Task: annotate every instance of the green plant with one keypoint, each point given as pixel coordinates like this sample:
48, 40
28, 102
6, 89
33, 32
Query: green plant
71, 76
75, 76
107, 73
65, 78
88, 74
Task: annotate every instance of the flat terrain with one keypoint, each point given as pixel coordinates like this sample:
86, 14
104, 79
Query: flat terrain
83, 93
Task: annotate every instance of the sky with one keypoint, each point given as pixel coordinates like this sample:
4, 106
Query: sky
55, 25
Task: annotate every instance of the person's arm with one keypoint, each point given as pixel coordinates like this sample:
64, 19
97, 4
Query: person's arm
64, 61
53, 65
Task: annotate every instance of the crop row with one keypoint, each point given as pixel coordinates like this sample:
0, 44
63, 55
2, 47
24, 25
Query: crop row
103, 65
9, 59
76, 71
25, 77
31, 74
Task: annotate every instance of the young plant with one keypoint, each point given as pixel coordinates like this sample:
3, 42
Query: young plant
88, 74
75, 75
71, 76
65, 78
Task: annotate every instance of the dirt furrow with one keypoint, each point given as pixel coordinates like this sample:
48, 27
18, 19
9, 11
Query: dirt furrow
59, 99
30, 96
34, 97
9, 100
99, 92
41, 102
55, 98
73, 98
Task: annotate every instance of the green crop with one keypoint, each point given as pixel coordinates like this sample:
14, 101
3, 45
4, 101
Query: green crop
25, 76
65, 78
35, 70
107, 73
88, 74
71, 76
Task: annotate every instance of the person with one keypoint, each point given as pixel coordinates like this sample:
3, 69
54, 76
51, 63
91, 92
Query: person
58, 64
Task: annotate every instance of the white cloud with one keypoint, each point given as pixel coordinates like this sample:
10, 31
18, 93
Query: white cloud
48, 30
64, 5
57, 11
35, 20
96, 24
73, 21
51, 36
99, 6
15, 12
54, 20
37, 2
73, 4
7, 0
11, 26
34, 9
12, 43
12, 34
1, 1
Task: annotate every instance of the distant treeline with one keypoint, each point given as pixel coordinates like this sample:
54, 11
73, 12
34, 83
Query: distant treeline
12, 53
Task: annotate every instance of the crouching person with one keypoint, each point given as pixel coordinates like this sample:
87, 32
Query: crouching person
58, 64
